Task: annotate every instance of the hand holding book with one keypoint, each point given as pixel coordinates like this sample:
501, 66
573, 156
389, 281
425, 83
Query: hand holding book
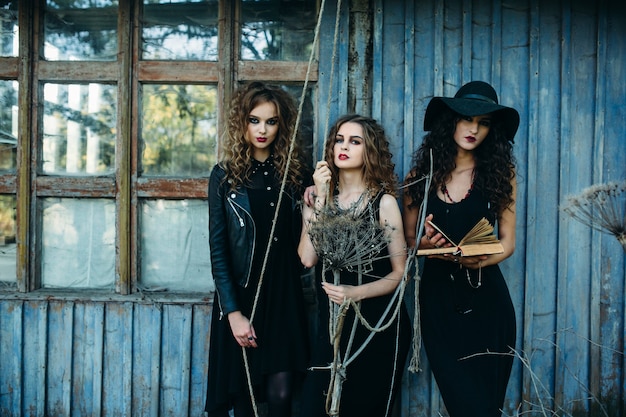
480, 240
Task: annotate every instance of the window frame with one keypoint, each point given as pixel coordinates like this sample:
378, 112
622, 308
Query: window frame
128, 73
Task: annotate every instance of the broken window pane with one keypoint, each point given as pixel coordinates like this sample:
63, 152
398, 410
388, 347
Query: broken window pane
79, 125
277, 30
80, 30
179, 129
175, 246
78, 243
180, 30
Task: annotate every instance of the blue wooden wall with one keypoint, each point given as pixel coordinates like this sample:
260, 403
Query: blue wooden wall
134, 357
562, 64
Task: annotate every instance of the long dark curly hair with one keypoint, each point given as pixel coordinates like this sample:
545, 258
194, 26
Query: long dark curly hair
493, 173
378, 168
237, 152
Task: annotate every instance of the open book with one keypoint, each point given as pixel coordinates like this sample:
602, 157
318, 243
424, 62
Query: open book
478, 241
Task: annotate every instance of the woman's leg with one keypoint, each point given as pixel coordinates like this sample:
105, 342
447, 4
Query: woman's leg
279, 394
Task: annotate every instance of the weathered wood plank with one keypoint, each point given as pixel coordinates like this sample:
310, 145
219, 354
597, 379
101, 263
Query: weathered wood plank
11, 342
509, 71
146, 360
178, 72
393, 76
172, 188
612, 164
88, 348
97, 187
59, 359
538, 173
35, 348
332, 93
117, 359
77, 71
200, 341
175, 360
278, 71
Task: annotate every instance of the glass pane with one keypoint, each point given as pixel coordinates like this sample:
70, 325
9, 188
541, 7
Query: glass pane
179, 129
79, 126
8, 125
78, 243
180, 29
175, 246
277, 30
306, 121
9, 38
8, 252
80, 30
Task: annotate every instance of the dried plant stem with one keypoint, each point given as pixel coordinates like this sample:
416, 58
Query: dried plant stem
338, 369
601, 207
542, 393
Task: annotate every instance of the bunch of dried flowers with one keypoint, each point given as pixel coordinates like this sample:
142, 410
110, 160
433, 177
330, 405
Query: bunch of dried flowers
601, 207
347, 240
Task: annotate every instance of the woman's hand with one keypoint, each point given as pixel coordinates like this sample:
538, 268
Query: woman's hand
242, 329
309, 196
321, 178
432, 238
340, 293
470, 262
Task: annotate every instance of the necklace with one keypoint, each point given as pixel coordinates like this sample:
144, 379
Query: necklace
445, 192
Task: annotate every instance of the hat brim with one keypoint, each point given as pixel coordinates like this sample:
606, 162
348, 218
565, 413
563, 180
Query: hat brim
472, 107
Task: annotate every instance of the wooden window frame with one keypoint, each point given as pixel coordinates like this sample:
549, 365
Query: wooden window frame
127, 73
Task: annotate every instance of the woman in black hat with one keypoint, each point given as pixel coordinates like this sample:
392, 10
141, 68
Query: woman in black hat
467, 317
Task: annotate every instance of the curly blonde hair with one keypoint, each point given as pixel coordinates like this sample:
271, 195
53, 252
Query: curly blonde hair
378, 168
237, 152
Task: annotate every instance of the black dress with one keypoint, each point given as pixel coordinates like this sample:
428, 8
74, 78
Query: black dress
459, 320
280, 319
376, 374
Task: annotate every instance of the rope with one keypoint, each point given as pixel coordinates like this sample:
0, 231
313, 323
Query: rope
332, 72
280, 197
417, 331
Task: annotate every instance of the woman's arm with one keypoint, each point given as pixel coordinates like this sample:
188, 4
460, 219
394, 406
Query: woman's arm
321, 178
430, 238
389, 217
306, 251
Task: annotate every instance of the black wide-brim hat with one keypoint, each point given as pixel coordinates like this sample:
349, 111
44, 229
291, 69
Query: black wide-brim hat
474, 99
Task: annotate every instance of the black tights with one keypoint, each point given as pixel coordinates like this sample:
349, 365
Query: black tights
278, 397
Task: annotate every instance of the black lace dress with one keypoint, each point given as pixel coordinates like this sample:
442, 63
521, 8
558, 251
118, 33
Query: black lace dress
374, 378
460, 319
280, 320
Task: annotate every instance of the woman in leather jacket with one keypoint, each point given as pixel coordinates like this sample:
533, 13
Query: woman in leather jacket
244, 192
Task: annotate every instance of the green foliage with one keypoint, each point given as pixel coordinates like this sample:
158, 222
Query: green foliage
179, 129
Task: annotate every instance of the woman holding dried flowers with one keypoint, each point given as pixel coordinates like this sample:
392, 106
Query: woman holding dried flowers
467, 317
244, 191
355, 228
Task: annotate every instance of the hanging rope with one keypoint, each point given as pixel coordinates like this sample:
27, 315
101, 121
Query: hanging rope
280, 196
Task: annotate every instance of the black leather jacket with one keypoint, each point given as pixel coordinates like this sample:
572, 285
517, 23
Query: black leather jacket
232, 237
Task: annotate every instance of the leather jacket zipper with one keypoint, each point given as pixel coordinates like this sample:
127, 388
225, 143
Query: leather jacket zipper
242, 224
